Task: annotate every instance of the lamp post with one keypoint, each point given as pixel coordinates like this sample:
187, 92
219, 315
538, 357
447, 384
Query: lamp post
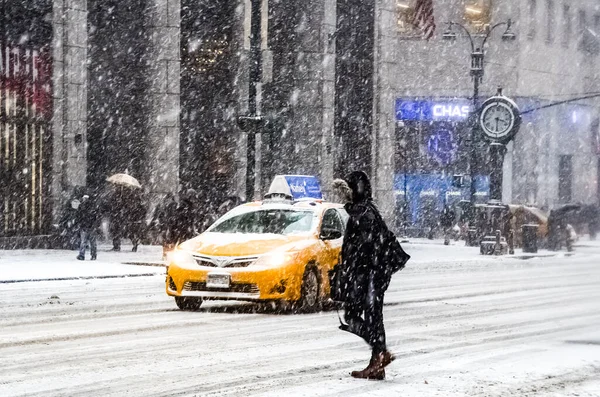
477, 72
252, 123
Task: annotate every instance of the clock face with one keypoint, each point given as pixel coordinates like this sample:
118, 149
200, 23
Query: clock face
497, 120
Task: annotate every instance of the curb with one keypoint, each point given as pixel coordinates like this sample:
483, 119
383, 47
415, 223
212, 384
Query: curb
36, 280
532, 256
153, 264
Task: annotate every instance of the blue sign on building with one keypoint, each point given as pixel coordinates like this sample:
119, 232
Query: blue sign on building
432, 109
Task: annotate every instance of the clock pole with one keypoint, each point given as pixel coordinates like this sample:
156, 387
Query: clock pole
477, 72
497, 151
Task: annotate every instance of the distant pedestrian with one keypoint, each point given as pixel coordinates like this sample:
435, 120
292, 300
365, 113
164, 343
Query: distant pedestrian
164, 216
370, 255
185, 224
117, 211
593, 220
230, 203
447, 219
135, 219
68, 228
88, 218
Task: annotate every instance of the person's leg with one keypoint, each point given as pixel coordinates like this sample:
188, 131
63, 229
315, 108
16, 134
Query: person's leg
374, 319
117, 239
375, 336
82, 244
93, 244
135, 237
447, 231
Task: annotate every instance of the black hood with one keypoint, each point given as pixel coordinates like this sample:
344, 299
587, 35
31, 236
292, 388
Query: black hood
359, 183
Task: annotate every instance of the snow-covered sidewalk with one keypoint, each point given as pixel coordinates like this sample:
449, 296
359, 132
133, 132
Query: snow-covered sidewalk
45, 265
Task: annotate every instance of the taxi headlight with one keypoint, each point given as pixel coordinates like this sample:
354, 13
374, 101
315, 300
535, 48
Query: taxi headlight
181, 259
276, 259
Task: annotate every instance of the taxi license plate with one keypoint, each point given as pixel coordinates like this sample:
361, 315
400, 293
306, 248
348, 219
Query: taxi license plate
218, 281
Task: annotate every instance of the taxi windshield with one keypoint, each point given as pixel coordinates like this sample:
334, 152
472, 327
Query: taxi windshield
275, 221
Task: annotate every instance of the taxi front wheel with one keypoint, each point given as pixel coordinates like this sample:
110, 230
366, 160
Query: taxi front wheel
188, 303
310, 293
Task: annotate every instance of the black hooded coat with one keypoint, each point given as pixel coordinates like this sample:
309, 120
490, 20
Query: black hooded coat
369, 250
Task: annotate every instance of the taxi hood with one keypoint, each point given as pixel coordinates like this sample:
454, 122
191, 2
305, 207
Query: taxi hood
246, 244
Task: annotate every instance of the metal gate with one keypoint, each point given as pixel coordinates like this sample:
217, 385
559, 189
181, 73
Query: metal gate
25, 138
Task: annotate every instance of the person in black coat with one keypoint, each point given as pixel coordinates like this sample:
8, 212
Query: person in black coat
364, 275
88, 218
118, 212
136, 219
446, 222
164, 216
185, 222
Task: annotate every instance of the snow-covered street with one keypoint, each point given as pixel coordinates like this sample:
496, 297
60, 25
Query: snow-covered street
460, 325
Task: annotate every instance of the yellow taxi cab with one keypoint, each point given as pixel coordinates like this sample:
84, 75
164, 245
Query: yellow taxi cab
279, 249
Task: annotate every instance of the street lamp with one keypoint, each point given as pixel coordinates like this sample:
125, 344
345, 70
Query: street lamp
477, 72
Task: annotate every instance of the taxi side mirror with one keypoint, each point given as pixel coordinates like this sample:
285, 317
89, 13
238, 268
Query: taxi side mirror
330, 234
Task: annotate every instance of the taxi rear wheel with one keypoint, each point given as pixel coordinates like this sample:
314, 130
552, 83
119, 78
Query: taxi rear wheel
188, 303
310, 293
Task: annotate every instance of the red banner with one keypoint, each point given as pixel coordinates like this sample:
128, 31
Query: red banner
27, 72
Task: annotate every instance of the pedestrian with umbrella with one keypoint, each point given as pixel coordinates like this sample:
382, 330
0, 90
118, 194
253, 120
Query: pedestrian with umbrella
119, 207
135, 218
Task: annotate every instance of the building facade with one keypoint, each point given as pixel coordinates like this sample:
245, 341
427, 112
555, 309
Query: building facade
154, 88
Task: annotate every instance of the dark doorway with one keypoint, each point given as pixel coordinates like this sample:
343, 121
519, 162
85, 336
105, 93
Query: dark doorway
25, 114
565, 179
208, 140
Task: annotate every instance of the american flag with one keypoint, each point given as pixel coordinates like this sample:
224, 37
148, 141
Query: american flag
424, 19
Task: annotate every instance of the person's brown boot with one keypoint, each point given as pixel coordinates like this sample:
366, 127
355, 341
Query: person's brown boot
374, 370
387, 358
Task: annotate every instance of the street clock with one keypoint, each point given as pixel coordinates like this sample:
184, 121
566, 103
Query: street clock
500, 119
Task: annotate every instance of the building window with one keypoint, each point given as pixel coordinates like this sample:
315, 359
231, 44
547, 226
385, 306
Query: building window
532, 19
565, 179
567, 26
405, 18
478, 14
550, 21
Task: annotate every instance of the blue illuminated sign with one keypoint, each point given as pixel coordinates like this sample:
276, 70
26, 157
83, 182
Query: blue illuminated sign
304, 187
441, 146
432, 109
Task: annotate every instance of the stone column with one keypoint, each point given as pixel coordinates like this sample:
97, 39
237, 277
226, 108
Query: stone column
327, 38
162, 176
300, 95
384, 133
69, 121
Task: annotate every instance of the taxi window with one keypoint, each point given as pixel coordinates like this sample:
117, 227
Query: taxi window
332, 221
344, 215
275, 221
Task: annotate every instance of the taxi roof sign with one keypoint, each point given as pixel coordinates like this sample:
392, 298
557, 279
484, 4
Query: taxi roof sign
296, 187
